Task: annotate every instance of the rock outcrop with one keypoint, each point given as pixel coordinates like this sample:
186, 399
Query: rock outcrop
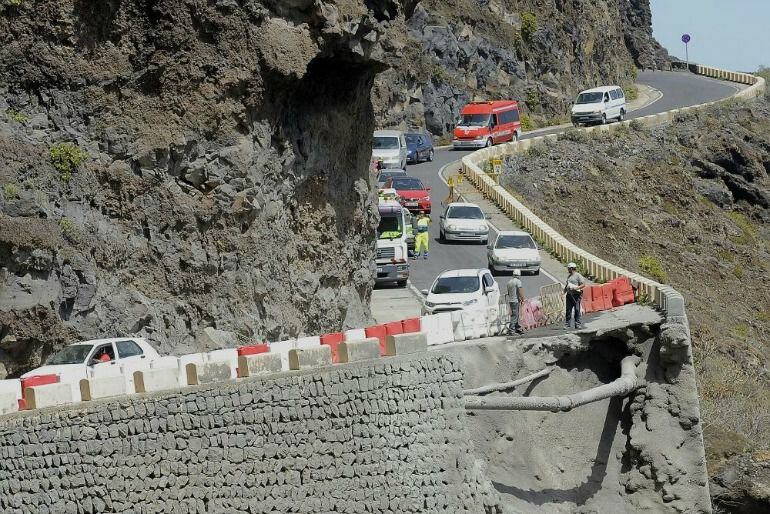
167, 167
539, 53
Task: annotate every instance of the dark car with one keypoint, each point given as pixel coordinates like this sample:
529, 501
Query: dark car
419, 147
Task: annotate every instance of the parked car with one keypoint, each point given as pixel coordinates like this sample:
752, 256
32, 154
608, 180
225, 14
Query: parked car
389, 147
463, 222
599, 105
414, 195
387, 174
513, 250
419, 147
462, 289
485, 124
76, 359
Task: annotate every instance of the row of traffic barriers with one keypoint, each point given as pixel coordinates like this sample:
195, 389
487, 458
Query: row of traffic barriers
602, 297
172, 372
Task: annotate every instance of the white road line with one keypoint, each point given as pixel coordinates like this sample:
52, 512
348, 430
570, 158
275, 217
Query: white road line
441, 176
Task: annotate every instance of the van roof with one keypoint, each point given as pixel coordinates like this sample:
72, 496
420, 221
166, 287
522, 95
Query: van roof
387, 133
488, 107
602, 89
105, 341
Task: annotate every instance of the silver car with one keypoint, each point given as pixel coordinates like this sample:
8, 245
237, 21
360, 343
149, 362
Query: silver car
513, 250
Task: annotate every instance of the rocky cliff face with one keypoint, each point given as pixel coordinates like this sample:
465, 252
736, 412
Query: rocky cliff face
167, 166
541, 53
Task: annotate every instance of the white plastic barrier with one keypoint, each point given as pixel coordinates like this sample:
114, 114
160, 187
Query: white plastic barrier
229, 355
458, 328
474, 323
102, 387
11, 385
438, 327
128, 369
184, 360
167, 362
308, 342
158, 379
283, 348
73, 378
494, 320
356, 334
49, 395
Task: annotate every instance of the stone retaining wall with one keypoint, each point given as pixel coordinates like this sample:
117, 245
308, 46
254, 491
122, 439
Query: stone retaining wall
380, 436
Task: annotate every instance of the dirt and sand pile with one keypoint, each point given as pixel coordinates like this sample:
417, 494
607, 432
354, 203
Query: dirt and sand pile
686, 204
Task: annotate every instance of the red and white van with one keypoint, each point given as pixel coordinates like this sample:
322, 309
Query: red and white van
485, 124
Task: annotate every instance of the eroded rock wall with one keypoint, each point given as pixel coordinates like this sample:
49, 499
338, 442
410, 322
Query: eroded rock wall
540, 53
224, 181
381, 437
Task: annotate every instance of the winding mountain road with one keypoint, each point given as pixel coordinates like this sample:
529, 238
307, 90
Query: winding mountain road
679, 89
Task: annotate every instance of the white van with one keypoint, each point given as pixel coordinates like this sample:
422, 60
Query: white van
600, 104
389, 146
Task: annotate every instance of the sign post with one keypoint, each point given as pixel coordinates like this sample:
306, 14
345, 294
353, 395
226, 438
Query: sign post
686, 39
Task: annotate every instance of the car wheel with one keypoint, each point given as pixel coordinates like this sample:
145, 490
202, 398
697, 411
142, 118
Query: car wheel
441, 236
604, 119
515, 137
401, 283
489, 143
430, 155
622, 115
536, 272
484, 241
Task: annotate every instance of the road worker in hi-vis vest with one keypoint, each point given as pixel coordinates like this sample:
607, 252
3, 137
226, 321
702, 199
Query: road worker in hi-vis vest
422, 239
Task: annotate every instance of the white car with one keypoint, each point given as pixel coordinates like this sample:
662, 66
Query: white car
464, 222
74, 361
600, 104
463, 289
513, 250
389, 146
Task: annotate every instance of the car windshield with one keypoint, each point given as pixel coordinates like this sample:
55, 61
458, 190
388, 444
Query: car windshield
385, 175
413, 139
465, 212
385, 143
452, 285
474, 120
515, 242
390, 227
71, 355
407, 183
589, 98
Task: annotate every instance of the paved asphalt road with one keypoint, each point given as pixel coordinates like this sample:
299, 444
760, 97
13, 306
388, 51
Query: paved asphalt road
679, 90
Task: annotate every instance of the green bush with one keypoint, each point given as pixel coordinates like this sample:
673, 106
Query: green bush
631, 92
634, 73
16, 116
651, 266
748, 231
66, 157
533, 98
10, 191
526, 123
528, 26
69, 230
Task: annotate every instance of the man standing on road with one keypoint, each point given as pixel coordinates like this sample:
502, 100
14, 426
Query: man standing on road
422, 239
515, 298
574, 290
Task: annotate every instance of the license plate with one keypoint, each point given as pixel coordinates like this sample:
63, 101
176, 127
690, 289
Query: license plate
379, 270
411, 204
466, 234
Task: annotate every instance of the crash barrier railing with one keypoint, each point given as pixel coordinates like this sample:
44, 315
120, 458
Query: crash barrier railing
662, 296
172, 372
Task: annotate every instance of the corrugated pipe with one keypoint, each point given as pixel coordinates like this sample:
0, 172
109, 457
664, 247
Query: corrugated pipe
627, 383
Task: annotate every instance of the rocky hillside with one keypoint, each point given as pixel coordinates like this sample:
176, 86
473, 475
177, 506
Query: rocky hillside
540, 53
687, 204
168, 166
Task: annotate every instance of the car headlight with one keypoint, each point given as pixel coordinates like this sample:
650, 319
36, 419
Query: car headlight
470, 302
427, 198
452, 227
483, 228
430, 304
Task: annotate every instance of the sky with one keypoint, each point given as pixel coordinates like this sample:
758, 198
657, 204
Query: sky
731, 34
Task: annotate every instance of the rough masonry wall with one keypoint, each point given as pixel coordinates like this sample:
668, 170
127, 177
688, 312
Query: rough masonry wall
378, 437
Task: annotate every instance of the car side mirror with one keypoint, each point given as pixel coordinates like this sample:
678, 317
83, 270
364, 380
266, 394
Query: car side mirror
489, 290
427, 188
424, 292
441, 217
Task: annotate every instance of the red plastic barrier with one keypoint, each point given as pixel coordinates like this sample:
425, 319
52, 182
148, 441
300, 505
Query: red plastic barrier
394, 328
587, 303
332, 341
411, 326
380, 332
608, 291
624, 292
597, 298
253, 349
36, 380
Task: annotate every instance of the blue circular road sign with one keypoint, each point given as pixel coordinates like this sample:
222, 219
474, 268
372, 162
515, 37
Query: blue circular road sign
686, 38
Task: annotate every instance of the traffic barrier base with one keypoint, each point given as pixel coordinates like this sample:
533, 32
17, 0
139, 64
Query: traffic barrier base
355, 351
102, 387
9, 402
404, 344
208, 372
305, 358
380, 332
259, 364
48, 395
151, 380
